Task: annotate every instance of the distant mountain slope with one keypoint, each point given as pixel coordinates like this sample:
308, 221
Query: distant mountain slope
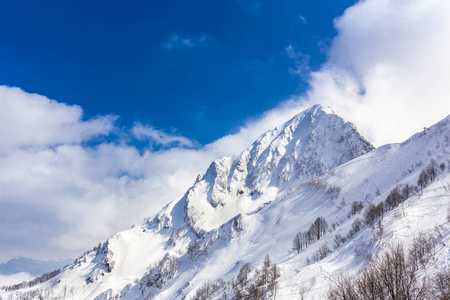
314, 178
31, 266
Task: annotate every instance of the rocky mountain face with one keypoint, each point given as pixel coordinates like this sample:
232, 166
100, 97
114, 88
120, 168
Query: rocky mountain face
306, 202
310, 144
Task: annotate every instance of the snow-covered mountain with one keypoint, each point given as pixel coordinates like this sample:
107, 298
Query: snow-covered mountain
307, 194
308, 145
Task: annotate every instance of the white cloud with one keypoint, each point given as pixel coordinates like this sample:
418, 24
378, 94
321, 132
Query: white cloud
178, 41
301, 62
60, 196
6, 280
31, 120
388, 68
145, 132
302, 19
60, 200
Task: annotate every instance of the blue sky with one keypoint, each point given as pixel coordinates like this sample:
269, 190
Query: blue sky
197, 68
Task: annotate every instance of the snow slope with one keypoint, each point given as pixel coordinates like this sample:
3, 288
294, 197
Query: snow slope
243, 208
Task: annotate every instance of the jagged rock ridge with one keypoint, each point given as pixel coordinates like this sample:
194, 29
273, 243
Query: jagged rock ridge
310, 144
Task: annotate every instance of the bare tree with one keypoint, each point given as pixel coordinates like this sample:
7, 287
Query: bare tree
428, 174
273, 282
448, 213
390, 277
394, 198
338, 240
356, 207
441, 284
407, 191
357, 225
297, 244
420, 249
266, 269
305, 238
343, 289
423, 179
319, 228
432, 170
243, 274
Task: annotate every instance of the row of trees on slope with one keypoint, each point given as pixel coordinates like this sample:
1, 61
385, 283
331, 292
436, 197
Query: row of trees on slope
373, 213
393, 276
35, 281
316, 231
258, 285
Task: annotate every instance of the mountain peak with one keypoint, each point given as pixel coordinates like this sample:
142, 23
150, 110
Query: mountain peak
318, 108
311, 143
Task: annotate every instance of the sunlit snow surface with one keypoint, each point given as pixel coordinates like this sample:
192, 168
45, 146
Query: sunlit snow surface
252, 205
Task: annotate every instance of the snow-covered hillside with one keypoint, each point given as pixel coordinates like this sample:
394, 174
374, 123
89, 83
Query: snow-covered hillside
315, 178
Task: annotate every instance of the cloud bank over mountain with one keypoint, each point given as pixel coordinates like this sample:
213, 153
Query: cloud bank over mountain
388, 67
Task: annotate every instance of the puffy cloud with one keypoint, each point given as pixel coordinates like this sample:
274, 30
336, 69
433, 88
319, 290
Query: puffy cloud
388, 68
6, 280
60, 196
59, 200
387, 71
31, 120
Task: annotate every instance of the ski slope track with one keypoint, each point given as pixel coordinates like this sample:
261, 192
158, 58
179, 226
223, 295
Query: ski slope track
248, 206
